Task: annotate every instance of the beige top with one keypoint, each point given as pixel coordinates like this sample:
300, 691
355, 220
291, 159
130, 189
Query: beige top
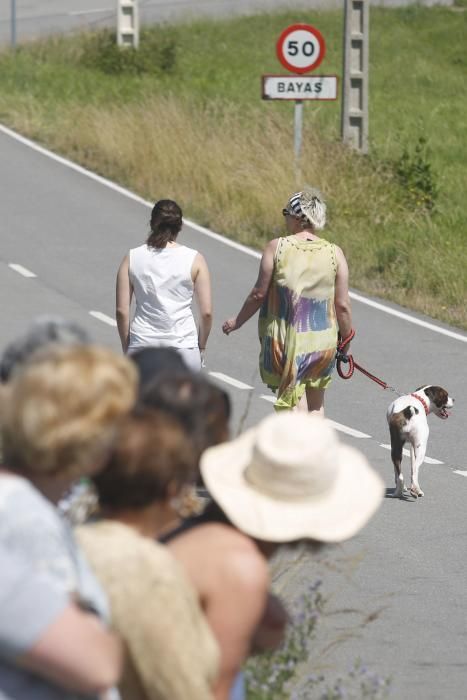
172, 654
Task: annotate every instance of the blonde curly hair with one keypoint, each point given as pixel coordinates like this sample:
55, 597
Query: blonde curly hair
60, 413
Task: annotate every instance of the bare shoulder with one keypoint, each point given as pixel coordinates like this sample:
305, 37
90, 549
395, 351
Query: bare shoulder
125, 263
199, 263
340, 257
233, 556
272, 245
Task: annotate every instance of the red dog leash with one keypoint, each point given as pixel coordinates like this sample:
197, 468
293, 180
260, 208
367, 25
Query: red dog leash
343, 358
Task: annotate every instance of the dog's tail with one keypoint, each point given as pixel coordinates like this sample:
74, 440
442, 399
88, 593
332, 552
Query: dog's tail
410, 411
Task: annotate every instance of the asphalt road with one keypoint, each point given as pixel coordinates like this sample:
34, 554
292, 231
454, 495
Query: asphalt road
397, 591
36, 18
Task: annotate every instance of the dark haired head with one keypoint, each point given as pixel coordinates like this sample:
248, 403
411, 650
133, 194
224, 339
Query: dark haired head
150, 457
43, 331
201, 407
158, 362
166, 223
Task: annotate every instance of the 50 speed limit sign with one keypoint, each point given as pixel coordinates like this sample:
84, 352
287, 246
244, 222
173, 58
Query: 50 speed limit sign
300, 48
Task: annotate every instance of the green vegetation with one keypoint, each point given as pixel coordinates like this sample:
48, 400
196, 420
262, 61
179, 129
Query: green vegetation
183, 118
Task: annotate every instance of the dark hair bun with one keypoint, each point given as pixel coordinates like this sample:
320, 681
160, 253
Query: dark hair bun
166, 223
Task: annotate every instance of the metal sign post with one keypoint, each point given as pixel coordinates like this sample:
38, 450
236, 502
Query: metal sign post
299, 88
300, 48
13, 24
298, 128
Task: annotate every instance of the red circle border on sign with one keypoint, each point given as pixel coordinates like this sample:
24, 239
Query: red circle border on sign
285, 34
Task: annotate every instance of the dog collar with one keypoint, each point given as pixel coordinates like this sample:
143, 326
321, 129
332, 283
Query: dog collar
423, 402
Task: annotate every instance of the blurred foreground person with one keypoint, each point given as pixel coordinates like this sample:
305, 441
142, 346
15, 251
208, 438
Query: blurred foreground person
45, 633
200, 406
226, 579
157, 363
172, 654
286, 480
43, 331
59, 416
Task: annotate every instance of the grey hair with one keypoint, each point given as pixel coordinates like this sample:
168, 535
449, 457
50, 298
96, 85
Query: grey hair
43, 331
313, 207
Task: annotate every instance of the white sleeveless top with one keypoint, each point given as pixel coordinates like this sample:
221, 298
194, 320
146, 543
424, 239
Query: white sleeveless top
163, 289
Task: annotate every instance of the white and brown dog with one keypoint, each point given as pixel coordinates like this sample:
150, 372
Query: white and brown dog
407, 418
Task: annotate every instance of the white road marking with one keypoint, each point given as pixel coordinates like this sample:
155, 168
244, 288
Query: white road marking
230, 380
271, 399
89, 12
427, 460
459, 471
21, 270
217, 236
348, 431
104, 318
406, 317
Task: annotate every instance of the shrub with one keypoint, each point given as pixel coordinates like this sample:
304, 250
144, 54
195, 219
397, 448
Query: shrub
415, 174
155, 54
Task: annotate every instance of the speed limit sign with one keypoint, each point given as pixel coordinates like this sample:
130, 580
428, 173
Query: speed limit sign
300, 48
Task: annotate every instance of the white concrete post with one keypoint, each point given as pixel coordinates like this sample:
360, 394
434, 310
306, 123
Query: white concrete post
127, 23
354, 124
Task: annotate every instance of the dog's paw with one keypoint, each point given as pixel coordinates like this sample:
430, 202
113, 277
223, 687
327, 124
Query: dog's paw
416, 491
398, 492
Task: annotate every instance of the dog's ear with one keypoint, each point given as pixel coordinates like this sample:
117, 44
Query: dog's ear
424, 386
438, 395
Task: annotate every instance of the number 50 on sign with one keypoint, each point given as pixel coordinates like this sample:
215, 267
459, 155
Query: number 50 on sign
300, 48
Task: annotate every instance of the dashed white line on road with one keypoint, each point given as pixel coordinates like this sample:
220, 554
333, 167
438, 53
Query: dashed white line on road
348, 431
230, 380
21, 270
427, 460
104, 318
90, 12
459, 471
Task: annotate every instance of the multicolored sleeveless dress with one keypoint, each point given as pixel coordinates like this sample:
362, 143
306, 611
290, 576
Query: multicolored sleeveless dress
297, 321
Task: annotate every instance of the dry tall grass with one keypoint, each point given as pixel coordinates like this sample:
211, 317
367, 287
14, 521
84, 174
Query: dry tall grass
233, 170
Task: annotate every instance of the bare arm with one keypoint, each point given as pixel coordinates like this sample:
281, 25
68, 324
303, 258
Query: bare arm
257, 295
124, 293
202, 286
270, 631
234, 614
76, 652
341, 296
231, 578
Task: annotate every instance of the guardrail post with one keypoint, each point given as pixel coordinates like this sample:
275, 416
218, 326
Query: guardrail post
354, 124
128, 23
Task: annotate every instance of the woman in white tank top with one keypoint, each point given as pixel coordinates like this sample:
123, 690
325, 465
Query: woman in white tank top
163, 276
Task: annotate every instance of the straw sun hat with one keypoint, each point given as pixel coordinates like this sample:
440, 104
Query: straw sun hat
289, 478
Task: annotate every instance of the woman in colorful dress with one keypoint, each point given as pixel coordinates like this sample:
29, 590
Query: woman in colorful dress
303, 296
